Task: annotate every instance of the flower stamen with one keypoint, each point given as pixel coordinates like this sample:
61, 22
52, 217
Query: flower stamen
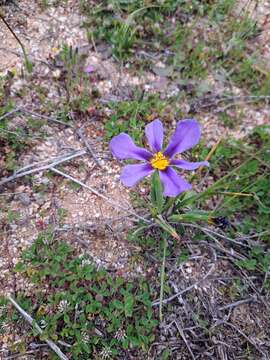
159, 161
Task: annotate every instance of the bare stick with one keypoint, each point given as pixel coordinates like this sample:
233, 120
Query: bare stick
24, 110
48, 118
86, 142
204, 229
21, 354
9, 113
61, 160
42, 168
31, 321
234, 104
113, 203
221, 248
244, 237
237, 303
51, 160
215, 100
181, 332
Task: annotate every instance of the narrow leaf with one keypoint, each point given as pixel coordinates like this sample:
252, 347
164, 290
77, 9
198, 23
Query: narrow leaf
156, 192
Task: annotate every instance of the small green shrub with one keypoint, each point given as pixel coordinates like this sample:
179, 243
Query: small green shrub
85, 306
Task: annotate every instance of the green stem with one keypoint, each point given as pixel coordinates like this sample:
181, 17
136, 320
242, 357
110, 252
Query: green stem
28, 64
169, 203
162, 279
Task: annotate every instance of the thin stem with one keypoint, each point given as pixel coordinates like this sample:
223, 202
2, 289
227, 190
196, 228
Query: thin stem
162, 278
13, 33
28, 64
218, 183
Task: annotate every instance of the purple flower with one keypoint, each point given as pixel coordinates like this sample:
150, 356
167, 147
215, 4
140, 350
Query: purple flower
186, 135
89, 69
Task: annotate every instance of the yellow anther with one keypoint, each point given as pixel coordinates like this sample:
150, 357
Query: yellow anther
159, 161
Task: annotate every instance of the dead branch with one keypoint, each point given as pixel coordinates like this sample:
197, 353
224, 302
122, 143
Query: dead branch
81, 135
205, 229
48, 118
24, 110
21, 173
9, 113
31, 321
97, 193
237, 303
182, 334
50, 160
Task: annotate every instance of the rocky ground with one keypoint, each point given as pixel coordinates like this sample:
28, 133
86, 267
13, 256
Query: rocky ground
80, 217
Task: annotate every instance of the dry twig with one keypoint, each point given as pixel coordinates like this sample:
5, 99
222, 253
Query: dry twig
237, 303
31, 321
56, 162
9, 113
81, 135
45, 117
207, 231
181, 332
97, 193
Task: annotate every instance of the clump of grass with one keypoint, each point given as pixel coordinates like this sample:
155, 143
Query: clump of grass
193, 39
74, 80
12, 141
129, 116
240, 171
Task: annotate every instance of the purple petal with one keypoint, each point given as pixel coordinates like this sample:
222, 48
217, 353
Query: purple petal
154, 134
131, 174
89, 69
123, 147
186, 135
186, 165
172, 183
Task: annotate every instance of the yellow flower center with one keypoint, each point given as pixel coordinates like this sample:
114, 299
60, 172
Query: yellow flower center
159, 161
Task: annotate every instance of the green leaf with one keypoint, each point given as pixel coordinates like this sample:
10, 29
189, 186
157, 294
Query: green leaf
20, 267
157, 198
249, 264
165, 354
191, 216
117, 304
66, 319
167, 227
129, 301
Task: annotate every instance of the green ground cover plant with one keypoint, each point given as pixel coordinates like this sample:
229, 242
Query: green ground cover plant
82, 305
